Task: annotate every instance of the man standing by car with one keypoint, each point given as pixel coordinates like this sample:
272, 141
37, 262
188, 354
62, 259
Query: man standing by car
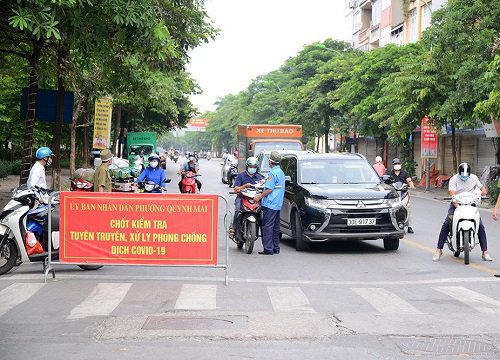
272, 200
401, 175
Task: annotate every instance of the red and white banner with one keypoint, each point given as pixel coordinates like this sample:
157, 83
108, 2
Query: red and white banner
429, 139
151, 229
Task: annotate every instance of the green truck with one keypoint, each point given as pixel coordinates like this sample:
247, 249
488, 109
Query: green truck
140, 143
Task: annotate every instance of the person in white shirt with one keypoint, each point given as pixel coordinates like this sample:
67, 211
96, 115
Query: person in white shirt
37, 172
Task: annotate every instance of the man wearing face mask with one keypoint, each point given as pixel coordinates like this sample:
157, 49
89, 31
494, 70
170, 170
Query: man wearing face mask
401, 175
459, 183
243, 181
37, 173
153, 172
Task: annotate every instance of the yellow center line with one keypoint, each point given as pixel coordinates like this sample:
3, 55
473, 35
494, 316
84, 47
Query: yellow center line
432, 250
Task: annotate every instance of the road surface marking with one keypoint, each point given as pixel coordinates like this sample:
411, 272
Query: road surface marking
481, 303
197, 297
16, 294
289, 299
450, 256
385, 301
102, 301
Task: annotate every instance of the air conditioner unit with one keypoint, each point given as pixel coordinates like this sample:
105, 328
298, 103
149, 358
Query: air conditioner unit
352, 4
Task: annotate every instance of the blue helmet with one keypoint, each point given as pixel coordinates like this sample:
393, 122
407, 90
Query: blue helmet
43, 152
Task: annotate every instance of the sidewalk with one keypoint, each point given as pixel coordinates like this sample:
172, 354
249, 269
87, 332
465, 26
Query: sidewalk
12, 181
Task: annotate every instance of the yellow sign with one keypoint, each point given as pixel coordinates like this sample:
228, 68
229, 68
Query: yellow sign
102, 123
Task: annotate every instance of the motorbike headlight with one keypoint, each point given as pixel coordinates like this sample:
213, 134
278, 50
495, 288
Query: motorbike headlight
149, 187
394, 202
80, 185
320, 203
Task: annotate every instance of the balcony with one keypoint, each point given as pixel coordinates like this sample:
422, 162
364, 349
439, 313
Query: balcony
365, 4
363, 36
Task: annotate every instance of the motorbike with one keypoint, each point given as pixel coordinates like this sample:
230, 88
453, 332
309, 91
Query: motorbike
24, 229
188, 183
463, 235
81, 185
248, 219
404, 195
208, 156
151, 187
232, 174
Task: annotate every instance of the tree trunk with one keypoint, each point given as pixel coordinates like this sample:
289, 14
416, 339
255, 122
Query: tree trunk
74, 123
86, 150
56, 140
327, 134
116, 132
454, 146
30, 116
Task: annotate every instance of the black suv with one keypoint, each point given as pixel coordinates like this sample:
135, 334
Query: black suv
338, 196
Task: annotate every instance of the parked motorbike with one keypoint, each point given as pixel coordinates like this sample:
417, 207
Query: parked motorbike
24, 229
188, 183
465, 224
232, 174
81, 185
151, 186
248, 220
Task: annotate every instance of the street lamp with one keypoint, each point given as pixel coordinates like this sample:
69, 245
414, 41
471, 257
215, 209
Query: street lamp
322, 46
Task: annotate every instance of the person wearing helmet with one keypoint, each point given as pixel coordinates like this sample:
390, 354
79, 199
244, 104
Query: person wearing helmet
272, 200
244, 179
102, 179
190, 165
459, 183
37, 173
153, 172
401, 175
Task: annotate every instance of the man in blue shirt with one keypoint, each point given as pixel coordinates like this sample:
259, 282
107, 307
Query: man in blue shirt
244, 180
272, 200
153, 172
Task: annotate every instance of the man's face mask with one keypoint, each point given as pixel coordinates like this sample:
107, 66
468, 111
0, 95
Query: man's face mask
252, 170
397, 167
153, 164
49, 161
464, 177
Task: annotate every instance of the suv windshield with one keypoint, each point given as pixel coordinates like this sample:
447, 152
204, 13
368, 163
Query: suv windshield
276, 145
337, 171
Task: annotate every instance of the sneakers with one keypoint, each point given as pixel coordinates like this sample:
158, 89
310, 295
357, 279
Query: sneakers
487, 257
437, 255
410, 230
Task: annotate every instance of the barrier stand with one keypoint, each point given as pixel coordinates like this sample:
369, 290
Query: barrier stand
48, 263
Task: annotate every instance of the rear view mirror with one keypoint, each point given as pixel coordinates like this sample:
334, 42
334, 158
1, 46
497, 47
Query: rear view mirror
388, 179
288, 179
167, 180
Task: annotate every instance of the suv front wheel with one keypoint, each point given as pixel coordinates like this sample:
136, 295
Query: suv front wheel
300, 244
391, 243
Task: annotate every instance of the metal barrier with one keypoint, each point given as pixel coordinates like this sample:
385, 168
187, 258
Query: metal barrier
48, 263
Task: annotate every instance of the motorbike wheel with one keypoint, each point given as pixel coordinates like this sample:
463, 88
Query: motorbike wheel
300, 244
466, 240
240, 244
9, 253
230, 181
456, 254
90, 267
251, 236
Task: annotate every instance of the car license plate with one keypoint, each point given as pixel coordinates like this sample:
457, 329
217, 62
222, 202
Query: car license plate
361, 221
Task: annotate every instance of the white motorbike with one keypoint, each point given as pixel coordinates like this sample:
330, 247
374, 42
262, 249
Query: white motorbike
24, 230
465, 224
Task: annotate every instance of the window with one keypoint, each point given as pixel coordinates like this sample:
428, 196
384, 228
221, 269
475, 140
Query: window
386, 4
426, 17
291, 168
413, 25
385, 36
337, 171
376, 12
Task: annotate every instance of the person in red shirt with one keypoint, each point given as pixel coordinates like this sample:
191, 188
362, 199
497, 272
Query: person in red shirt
379, 166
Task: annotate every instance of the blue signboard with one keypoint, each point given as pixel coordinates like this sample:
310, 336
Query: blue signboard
46, 101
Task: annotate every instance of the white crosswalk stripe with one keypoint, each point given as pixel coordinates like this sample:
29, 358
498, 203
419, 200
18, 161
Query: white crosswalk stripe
197, 297
102, 301
385, 301
480, 302
16, 294
289, 299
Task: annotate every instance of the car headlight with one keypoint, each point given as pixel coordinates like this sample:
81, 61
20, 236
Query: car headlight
319, 203
394, 202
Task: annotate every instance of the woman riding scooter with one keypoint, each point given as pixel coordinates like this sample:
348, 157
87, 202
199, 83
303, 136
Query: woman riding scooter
153, 172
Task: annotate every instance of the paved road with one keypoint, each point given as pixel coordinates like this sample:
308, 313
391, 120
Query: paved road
343, 300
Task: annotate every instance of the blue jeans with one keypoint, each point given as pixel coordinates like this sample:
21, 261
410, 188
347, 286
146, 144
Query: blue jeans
270, 229
237, 208
445, 229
